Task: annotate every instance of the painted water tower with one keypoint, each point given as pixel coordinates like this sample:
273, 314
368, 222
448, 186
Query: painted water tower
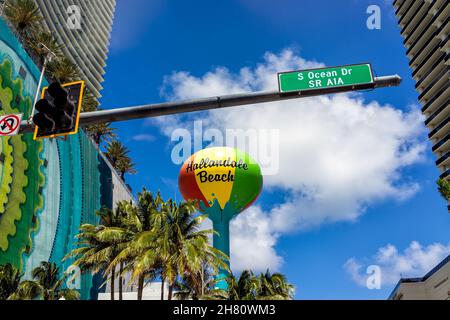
224, 182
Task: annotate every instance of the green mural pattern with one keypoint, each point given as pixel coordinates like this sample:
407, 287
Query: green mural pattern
20, 199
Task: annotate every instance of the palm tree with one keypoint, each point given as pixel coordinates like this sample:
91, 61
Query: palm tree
141, 222
47, 39
46, 285
23, 15
124, 166
99, 245
196, 286
274, 287
116, 151
96, 131
114, 220
444, 188
63, 70
266, 286
244, 288
168, 242
101, 131
90, 102
9, 280
154, 238
117, 154
184, 248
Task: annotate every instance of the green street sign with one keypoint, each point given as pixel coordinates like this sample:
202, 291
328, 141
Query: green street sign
358, 75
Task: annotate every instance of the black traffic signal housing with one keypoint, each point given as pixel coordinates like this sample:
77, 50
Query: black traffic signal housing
59, 109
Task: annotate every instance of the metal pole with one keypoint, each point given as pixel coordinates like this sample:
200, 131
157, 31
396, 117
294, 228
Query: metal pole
38, 90
49, 55
168, 108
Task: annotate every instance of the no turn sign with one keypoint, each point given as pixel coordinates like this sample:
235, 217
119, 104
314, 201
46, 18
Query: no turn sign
10, 124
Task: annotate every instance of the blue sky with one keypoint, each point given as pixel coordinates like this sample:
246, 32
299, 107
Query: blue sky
394, 218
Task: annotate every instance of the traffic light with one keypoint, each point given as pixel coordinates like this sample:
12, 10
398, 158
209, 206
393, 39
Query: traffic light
58, 110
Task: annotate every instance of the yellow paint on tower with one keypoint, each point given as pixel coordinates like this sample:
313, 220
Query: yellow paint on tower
219, 190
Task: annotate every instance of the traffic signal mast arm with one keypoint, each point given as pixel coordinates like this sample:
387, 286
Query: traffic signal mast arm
169, 108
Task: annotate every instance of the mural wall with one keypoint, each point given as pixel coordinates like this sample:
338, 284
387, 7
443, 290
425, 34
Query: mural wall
47, 188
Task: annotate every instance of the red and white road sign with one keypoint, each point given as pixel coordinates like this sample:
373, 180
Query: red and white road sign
10, 124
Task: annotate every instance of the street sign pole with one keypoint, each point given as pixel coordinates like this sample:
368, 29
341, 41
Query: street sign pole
49, 55
218, 102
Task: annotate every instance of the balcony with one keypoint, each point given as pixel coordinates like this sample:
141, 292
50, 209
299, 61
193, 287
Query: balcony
418, 31
445, 174
422, 39
438, 115
425, 52
442, 16
433, 55
443, 128
446, 45
437, 100
403, 7
444, 160
420, 12
442, 79
437, 4
441, 144
426, 79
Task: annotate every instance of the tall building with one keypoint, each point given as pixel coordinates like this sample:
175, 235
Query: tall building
85, 39
425, 28
435, 285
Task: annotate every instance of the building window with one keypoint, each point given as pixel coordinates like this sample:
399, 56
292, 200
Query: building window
398, 296
22, 73
18, 100
441, 283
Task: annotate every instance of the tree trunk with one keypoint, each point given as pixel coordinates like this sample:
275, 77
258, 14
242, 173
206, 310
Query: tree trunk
170, 291
120, 281
203, 282
140, 286
162, 288
113, 279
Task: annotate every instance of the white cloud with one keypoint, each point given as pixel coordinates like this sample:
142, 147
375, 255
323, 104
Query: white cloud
354, 269
415, 261
252, 242
338, 154
143, 138
183, 85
